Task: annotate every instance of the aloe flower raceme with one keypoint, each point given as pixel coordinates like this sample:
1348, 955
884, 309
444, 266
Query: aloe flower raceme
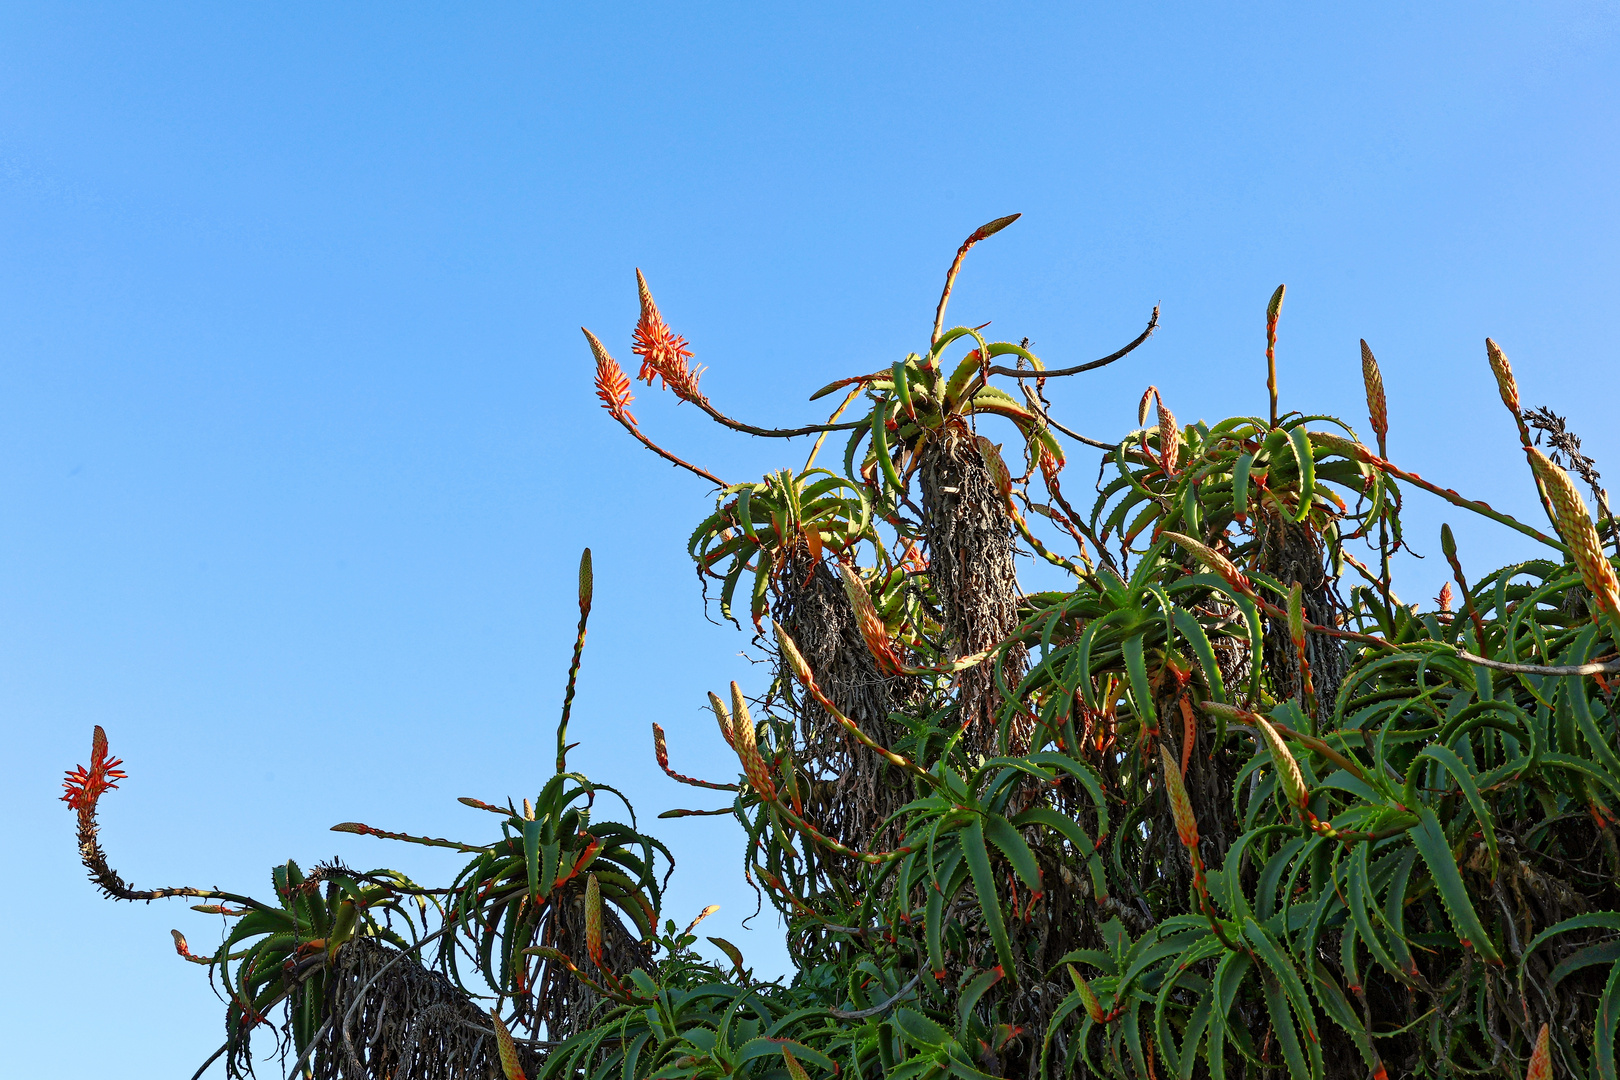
1288, 774
1509, 389
612, 384
1169, 435
1576, 528
661, 754
1168, 430
873, 631
587, 586
722, 715
806, 677
1088, 997
83, 787
507, 1049
1181, 811
1214, 560
1377, 404
664, 354
1296, 635
795, 1070
744, 736
1540, 1067
704, 914
1180, 806
1505, 383
183, 950
988, 229
614, 389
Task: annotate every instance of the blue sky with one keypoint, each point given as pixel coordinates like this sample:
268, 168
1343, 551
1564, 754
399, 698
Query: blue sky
297, 440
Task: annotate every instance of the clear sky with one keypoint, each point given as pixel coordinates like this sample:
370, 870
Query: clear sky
298, 445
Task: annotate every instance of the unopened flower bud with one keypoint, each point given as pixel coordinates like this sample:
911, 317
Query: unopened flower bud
506, 1048
724, 718
1288, 773
1180, 806
593, 920
1377, 405
1212, 559
1088, 996
1504, 376
742, 729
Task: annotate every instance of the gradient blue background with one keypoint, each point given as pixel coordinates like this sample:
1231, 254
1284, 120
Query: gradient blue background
297, 440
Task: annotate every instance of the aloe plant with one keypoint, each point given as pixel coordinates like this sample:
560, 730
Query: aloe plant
1219, 803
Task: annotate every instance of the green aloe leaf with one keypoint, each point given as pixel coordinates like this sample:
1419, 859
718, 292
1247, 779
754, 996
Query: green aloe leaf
1430, 840
984, 883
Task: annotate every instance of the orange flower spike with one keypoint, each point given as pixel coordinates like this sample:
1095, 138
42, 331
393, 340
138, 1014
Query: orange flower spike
1576, 528
612, 384
1214, 560
1444, 599
506, 1048
1180, 806
1540, 1058
795, 659
795, 1070
1169, 430
663, 353
84, 786
593, 920
1508, 387
1288, 772
873, 630
724, 717
1169, 439
742, 729
1189, 733
1377, 404
1088, 996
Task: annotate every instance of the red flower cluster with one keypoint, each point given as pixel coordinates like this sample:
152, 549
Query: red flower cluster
83, 787
664, 354
611, 384
613, 387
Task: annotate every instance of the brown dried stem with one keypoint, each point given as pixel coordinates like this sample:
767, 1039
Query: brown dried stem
772, 433
1053, 373
667, 456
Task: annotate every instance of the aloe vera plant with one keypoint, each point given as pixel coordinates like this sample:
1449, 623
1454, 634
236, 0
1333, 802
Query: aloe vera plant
1218, 804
